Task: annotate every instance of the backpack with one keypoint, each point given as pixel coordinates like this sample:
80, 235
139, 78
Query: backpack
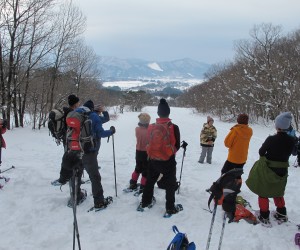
56, 124
80, 132
159, 142
227, 181
180, 241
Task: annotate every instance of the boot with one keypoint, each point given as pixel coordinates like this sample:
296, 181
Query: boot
264, 218
132, 185
280, 214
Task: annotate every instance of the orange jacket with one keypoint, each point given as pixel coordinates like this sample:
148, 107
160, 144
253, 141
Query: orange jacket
237, 142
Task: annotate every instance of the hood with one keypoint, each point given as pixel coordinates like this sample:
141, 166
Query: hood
243, 130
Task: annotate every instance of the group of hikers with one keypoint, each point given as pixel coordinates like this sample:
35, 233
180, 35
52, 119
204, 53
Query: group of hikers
267, 177
156, 147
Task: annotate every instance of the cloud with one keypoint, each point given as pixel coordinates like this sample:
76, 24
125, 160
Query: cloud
173, 28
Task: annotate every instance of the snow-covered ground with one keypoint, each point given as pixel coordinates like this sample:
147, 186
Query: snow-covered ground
34, 214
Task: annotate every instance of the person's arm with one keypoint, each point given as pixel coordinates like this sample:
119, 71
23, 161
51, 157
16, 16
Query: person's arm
229, 139
264, 147
177, 137
105, 118
99, 131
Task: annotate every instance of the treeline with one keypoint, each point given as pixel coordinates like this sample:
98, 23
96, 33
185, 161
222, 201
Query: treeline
43, 58
263, 80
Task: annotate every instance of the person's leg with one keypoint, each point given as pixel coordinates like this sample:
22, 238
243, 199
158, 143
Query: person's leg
280, 209
203, 154
209, 154
263, 204
152, 177
169, 175
90, 164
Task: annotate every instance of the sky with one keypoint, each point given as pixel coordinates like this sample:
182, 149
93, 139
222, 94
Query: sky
35, 216
163, 30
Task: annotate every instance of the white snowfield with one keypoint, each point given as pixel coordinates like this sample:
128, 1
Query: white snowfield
34, 215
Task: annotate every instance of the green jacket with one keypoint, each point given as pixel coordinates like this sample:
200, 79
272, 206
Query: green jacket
263, 181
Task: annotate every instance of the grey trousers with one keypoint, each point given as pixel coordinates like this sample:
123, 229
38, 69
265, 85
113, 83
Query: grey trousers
206, 152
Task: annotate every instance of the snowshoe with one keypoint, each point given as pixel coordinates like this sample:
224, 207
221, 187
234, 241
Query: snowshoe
58, 182
264, 222
280, 218
175, 210
142, 207
102, 205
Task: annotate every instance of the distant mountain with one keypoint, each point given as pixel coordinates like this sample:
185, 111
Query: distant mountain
115, 69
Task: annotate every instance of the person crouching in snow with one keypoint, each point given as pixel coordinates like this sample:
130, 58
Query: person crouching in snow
141, 157
268, 176
208, 136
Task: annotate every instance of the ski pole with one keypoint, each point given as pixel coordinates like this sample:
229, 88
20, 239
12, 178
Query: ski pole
113, 144
211, 225
73, 187
183, 145
222, 232
6, 169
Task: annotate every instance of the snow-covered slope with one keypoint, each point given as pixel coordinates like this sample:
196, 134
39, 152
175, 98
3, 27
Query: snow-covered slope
34, 214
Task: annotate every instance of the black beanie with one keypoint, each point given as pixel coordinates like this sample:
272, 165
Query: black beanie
72, 99
163, 109
89, 104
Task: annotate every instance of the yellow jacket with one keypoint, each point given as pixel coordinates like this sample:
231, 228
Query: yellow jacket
237, 142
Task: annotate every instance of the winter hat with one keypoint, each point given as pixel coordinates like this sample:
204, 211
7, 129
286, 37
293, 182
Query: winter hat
72, 100
242, 119
209, 119
89, 104
283, 121
163, 109
144, 118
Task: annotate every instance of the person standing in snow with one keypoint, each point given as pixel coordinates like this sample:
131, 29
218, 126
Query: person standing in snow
237, 141
141, 157
268, 176
89, 159
208, 136
165, 167
66, 174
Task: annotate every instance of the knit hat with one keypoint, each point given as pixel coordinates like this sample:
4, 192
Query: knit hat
283, 121
209, 119
89, 104
242, 119
144, 118
163, 109
72, 100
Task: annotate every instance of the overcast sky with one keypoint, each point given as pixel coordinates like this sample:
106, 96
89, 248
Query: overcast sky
163, 30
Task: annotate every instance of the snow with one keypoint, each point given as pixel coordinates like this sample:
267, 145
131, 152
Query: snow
35, 216
154, 66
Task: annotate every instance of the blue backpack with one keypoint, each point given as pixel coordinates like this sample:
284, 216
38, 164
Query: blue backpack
180, 241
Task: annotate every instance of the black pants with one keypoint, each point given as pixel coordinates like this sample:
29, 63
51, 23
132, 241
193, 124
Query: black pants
90, 164
229, 166
168, 169
141, 159
71, 162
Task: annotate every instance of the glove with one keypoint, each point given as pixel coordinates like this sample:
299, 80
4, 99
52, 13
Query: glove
113, 130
